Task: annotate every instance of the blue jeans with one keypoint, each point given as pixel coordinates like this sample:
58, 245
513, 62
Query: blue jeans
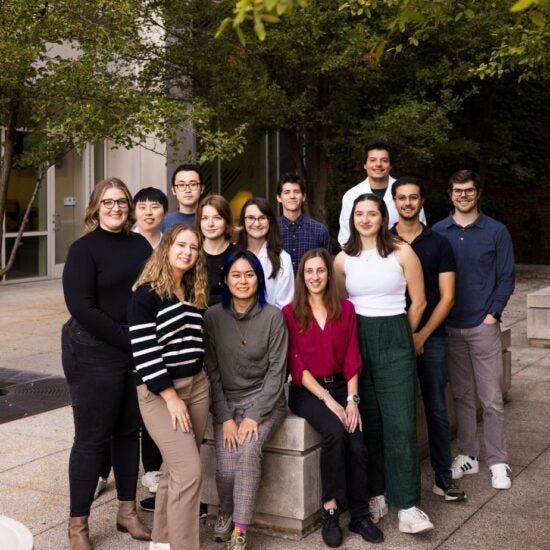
432, 374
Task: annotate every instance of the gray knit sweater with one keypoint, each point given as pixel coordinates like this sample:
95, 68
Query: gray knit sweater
236, 370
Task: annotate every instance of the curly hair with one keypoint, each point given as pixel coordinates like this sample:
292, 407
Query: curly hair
159, 274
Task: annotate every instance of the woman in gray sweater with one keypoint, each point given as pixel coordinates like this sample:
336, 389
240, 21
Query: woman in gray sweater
246, 349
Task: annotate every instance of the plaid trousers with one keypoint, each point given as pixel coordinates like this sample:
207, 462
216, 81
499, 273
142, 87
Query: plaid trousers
238, 473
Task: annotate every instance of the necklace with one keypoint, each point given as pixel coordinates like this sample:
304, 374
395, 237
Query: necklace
243, 336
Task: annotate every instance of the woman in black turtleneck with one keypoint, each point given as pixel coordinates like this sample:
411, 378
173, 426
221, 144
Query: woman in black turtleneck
100, 270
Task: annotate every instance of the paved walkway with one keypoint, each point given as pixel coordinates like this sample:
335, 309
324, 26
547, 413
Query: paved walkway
34, 451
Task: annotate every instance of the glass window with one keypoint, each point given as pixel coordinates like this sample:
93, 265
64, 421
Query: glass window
31, 258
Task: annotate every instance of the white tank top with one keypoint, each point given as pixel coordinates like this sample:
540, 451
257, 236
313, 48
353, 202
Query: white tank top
376, 286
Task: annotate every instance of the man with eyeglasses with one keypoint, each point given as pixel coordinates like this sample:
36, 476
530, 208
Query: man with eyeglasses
187, 187
484, 283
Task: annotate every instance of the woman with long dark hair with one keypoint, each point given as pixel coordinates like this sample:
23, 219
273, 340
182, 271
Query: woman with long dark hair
376, 270
260, 234
324, 361
246, 350
99, 272
166, 327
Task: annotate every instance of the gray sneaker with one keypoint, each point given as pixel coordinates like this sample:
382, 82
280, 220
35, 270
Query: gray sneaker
223, 527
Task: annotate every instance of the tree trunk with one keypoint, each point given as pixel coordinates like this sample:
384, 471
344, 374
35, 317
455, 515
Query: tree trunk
39, 178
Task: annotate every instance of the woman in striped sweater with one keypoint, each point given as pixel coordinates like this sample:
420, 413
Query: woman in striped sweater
166, 330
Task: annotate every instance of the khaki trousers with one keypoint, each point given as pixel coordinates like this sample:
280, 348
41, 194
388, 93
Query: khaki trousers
176, 519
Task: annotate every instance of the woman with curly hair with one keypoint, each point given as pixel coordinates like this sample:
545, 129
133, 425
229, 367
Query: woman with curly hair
166, 330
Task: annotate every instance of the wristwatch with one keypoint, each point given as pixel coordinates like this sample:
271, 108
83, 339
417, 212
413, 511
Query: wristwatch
496, 315
355, 398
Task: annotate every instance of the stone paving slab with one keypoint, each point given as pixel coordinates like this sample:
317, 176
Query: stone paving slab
34, 451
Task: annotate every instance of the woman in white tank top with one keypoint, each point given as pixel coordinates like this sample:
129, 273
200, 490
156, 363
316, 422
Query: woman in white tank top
375, 270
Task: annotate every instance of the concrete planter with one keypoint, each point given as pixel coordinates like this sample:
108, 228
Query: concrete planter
14, 535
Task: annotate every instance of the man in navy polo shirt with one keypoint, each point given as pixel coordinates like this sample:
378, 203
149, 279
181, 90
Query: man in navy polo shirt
430, 340
299, 232
484, 283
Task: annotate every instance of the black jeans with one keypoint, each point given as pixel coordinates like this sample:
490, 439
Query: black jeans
343, 455
106, 415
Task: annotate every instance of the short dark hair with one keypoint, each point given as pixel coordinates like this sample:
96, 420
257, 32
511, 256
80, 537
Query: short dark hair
464, 176
255, 264
291, 177
187, 168
409, 180
152, 194
377, 143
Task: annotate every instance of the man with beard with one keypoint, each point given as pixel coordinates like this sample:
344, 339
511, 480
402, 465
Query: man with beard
430, 340
484, 283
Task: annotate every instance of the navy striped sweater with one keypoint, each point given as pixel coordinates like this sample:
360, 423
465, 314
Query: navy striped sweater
167, 338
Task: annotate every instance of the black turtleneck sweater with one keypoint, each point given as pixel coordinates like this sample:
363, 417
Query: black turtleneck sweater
100, 270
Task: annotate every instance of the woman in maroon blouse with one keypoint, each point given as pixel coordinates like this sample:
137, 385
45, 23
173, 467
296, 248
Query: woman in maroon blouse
324, 361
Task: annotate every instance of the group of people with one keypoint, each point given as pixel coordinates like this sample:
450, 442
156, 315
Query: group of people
201, 319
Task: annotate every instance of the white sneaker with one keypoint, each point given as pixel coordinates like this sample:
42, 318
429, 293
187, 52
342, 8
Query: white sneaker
377, 508
414, 520
101, 486
463, 465
150, 480
159, 546
499, 476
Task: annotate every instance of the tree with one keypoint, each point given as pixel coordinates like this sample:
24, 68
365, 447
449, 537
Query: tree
77, 71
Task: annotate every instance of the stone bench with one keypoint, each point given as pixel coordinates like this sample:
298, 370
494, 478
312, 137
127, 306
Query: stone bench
289, 500
538, 318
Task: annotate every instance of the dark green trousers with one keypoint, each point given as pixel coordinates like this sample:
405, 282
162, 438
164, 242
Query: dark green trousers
387, 387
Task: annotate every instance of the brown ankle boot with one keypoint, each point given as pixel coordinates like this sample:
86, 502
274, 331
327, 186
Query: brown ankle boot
128, 521
79, 534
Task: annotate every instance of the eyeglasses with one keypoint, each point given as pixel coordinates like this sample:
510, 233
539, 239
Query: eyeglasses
109, 204
191, 186
468, 192
260, 219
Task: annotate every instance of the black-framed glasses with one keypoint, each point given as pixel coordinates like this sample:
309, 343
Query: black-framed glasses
192, 186
468, 192
260, 219
109, 204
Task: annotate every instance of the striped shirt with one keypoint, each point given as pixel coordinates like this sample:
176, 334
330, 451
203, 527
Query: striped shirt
166, 337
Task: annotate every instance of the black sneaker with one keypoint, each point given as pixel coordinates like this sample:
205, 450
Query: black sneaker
446, 487
147, 504
366, 528
203, 511
331, 532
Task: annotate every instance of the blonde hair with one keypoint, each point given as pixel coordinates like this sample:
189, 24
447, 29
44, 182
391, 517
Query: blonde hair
91, 218
159, 274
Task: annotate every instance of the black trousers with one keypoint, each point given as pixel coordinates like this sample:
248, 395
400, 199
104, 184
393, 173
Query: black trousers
106, 415
343, 455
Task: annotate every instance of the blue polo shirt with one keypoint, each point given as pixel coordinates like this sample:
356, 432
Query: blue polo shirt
436, 256
486, 271
302, 235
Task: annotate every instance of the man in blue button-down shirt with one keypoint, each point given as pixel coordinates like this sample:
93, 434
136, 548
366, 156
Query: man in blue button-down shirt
484, 283
299, 232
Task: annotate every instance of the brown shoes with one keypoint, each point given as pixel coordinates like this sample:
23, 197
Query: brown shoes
127, 521
79, 534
